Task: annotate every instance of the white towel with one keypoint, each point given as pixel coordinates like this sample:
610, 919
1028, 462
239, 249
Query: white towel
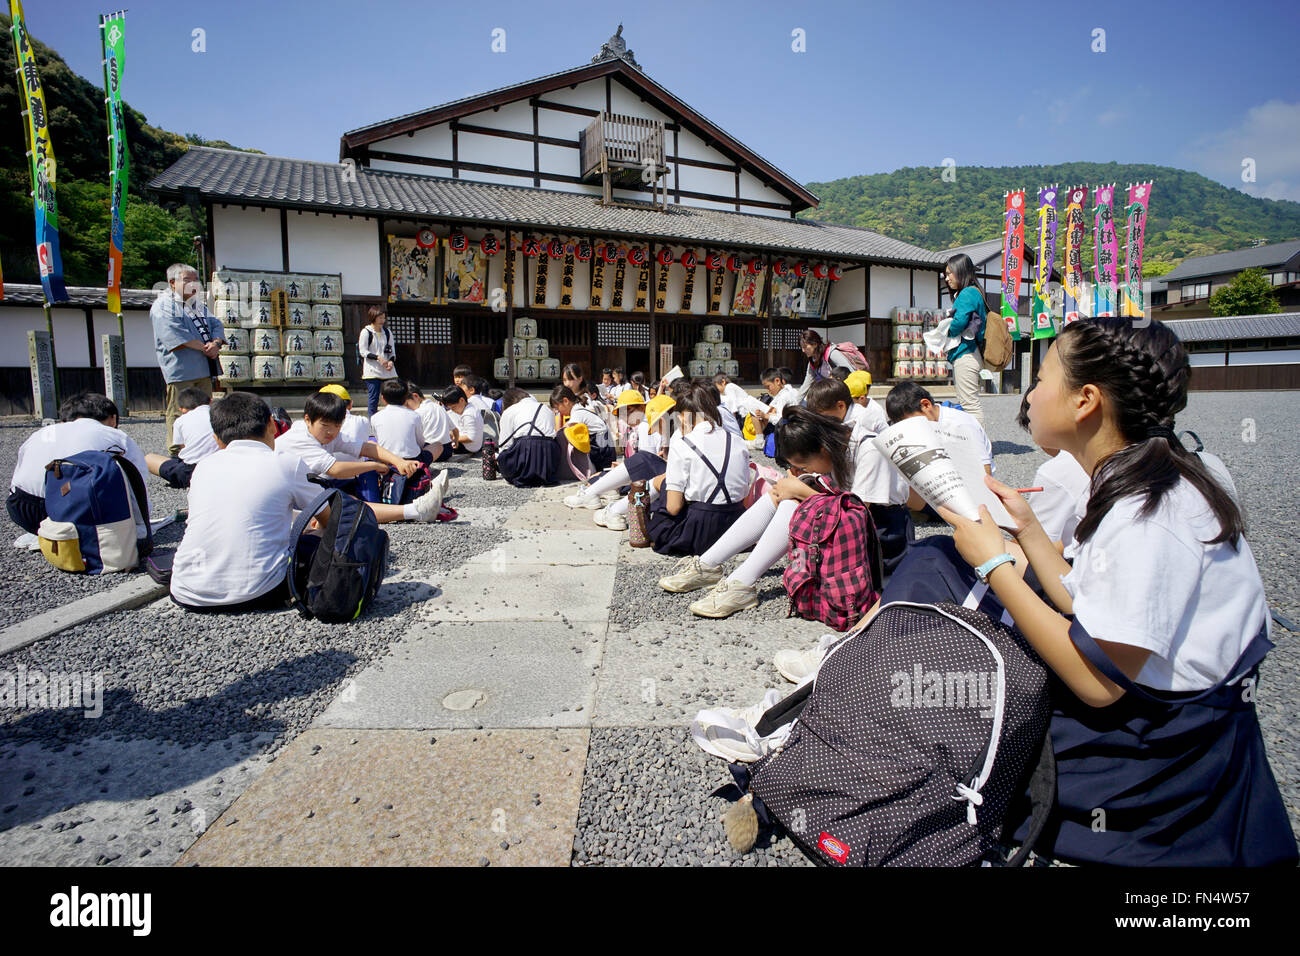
938, 339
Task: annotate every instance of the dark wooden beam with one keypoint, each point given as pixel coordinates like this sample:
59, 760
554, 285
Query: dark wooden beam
537, 162
455, 149
514, 134
677, 171
737, 189
284, 237
562, 107
609, 99
212, 247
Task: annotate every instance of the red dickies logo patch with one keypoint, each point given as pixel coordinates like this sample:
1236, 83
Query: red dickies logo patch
835, 849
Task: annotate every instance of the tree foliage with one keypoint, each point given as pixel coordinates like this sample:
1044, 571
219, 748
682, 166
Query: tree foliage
1249, 293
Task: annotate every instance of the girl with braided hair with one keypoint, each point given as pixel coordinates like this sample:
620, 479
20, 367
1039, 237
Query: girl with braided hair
1158, 629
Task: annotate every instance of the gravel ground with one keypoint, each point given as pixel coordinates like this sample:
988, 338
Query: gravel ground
638, 598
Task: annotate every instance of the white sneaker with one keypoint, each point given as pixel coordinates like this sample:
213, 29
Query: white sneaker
443, 481
429, 504
798, 666
690, 574
583, 500
729, 732
725, 599
599, 516
27, 542
615, 521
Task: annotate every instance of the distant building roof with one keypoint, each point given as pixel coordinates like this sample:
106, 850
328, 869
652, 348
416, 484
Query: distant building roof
1235, 327
978, 251
1264, 257
22, 293
224, 175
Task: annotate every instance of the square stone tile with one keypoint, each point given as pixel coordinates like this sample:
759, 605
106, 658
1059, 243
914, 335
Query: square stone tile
522, 592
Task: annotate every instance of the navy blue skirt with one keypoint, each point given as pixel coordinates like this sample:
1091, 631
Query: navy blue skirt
644, 465
693, 530
602, 456
895, 530
530, 462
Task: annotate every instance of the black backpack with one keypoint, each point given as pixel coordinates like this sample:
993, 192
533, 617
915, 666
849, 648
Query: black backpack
344, 575
917, 733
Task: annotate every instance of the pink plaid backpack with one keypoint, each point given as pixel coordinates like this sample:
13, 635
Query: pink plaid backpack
836, 569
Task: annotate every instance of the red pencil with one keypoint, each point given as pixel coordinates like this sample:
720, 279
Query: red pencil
1025, 491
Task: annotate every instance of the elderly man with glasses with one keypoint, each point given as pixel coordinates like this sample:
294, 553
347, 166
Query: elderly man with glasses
188, 339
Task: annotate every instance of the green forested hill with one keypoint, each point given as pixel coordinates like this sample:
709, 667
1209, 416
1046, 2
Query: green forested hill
1190, 215
156, 234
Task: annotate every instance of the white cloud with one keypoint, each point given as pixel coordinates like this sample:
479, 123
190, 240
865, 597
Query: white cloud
1110, 117
1270, 135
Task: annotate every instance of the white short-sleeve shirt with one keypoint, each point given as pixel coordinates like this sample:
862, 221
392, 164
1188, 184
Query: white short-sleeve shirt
353, 434
526, 417
436, 421
470, 425
688, 474
1064, 498
1152, 582
299, 443
787, 396
872, 416
966, 419
398, 429
875, 479
236, 542
481, 402
193, 432
596, 426
64, 439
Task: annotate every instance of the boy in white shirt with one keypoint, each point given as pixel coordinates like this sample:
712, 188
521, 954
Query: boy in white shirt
734, 398
88, 422
868, 411
355, 430
466, 421
436, 423
775, 380
475, 388
909, 398
397, 427
192, 431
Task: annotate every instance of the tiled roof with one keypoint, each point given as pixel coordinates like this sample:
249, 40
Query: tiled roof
22, 293
1275, 326
224, 175
978, 251
1272, 254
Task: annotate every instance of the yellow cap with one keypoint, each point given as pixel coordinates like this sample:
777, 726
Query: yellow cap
656, 408
749, 430
858, 383
578, 436
630, 396
338, 390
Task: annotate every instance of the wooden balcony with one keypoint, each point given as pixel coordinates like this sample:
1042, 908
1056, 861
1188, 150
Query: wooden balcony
618, 149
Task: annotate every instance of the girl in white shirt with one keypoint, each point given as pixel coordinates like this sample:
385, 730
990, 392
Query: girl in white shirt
437, 425
466, 420
1157, 631
528, 454
565, 404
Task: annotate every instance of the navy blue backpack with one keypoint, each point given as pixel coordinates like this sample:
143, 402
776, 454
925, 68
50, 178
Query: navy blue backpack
93, 501
343, 576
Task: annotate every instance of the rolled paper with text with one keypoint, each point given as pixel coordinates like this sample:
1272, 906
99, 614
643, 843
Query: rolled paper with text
914, 447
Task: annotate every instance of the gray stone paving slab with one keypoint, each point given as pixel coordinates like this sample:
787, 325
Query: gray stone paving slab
593, 547
529, 592
506, 675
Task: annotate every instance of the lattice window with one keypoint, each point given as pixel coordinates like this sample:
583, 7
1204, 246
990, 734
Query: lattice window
435, 330
627, 335
785, 338
405, 329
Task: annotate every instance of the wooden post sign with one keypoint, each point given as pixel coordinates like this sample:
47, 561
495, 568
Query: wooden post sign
40, 352
279, 309
665, 360
115, 371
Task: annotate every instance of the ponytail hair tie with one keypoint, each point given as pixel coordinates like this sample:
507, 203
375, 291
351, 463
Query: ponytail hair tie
1160, 431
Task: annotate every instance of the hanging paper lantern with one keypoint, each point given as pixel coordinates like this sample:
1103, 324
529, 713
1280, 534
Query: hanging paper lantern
582, 251
733, 263
609, 253
665, 257
490, 245
754, 266
426, 238
778, 267
636, 256
458, 242
713, 261
531, 247
837, 273
555, 248
820, 270
800, 269
688, 259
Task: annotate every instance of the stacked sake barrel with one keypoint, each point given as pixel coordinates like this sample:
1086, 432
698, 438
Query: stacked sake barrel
306, 350
531, 353
713, 355
912, 358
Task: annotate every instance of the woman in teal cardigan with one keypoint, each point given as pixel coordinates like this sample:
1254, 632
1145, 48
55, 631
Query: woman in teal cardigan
969, 313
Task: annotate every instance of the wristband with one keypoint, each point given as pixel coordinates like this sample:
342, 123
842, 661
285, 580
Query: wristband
985, 569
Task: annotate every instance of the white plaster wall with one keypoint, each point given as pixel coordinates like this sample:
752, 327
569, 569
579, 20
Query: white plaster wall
344, 244
889, 288
139, 337
246, 237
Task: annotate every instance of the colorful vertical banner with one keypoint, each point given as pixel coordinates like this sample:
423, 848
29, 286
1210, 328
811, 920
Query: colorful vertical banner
1074, 235
1044, 328
664, 257
598, 279
1106, 294
713, 262
539, 284
567, 273
464, 269
112, 37
639, 259
43, 167
1139, 200
689, 262
620, 276
1013, 258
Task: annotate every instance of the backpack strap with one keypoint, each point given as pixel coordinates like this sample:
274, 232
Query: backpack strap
299, 529
136, 484
721, 481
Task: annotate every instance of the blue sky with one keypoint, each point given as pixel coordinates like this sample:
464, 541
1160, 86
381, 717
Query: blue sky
1196, 84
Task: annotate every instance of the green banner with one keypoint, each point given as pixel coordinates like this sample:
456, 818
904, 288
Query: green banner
112, 36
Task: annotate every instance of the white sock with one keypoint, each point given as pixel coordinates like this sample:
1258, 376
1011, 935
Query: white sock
409, 513
613, 478
743, 533
773, 544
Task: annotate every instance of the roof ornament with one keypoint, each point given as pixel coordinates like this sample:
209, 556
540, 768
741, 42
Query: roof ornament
616, 46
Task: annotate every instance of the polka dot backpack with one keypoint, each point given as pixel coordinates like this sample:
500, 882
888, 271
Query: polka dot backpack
916, 735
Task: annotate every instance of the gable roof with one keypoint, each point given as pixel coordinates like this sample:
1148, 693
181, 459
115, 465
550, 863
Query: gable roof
1276, 325
232, 176
1271, 254
614, 67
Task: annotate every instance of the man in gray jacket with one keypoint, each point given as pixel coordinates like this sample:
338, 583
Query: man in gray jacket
187, 338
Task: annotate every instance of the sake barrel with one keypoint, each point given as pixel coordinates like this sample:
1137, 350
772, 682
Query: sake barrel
731, 369
235, 368
548, 368
918, 352
297, 287
900, 332
526, 368
265, 339
898, 315
237, 342
228, 311
712, 333
717, 367
259, 315
224, 284
945, 369
525, 328
328, 342
299, 341
267, 282
299, 368
326, 316
914, 316
501, 369
298, 316
901, 352
931, 368
537, 349
697, 367
703, 351
518, 346
903, 369
268, 369
329, 368
325, 289
722, 350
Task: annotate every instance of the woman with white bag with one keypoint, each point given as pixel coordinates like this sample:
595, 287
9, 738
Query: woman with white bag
965, 333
